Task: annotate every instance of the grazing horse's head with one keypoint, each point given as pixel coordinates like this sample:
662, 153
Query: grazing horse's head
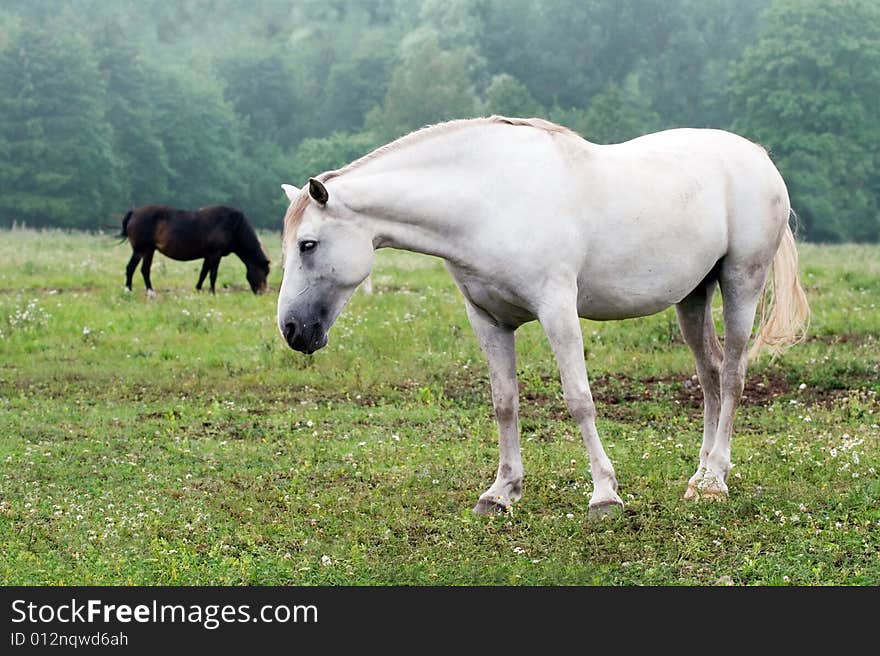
257, 273
248, 247
327, 254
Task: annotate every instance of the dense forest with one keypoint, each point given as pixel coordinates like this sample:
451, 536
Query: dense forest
107, 105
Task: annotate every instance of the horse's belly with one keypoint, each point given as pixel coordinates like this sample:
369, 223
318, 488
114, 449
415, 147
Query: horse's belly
637, 264
608, 307
640, 288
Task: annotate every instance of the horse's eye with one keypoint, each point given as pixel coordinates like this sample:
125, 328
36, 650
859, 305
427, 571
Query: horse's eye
307, 245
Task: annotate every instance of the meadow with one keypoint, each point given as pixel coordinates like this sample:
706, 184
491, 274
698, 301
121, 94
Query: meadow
179, 441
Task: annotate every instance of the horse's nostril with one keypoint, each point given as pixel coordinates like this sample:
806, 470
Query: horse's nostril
290, 331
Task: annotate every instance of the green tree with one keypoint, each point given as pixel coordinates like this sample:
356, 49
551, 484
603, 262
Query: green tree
617, 114
315, 156
260, 174
429, 86
508, 96
202, 138
458, 27
263, 91
809, 91
342, 53
566, 51
685, 75
352, 89
143, 171
56, 161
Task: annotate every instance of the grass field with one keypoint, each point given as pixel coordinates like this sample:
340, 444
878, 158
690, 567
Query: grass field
179, 441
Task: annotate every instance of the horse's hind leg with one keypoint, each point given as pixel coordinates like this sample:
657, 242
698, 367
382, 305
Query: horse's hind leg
130, 269
742, 284
145, 272
563, 329
698, 329
498, 345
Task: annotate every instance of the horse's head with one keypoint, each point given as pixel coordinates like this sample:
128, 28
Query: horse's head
327, 254
249, 248
257, 273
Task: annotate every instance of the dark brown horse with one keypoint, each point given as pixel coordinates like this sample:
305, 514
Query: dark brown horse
210, 233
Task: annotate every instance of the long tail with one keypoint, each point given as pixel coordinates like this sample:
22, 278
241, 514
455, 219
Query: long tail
785, 313
124, 234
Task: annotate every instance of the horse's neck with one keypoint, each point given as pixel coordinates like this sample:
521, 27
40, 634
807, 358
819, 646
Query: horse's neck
429, 226
248, 247
425, 205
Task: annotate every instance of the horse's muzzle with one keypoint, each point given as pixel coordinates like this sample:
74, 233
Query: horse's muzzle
306, 338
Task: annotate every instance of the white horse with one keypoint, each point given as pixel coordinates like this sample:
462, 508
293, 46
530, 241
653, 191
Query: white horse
534, 222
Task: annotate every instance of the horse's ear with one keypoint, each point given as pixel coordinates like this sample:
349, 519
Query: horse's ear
318, 191
291, 191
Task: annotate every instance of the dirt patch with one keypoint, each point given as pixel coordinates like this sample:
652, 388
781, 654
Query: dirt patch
614, 393
758, 390
856, 339
617, 390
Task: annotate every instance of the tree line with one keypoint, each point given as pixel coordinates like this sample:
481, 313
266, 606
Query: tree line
104, 106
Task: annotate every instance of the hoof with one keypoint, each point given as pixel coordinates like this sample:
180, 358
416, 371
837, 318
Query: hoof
708, 493
493, 505
151, 293
603, 509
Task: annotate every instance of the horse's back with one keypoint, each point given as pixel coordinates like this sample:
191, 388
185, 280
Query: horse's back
674, 204
220, 214
680, 184
183, 234
690, 161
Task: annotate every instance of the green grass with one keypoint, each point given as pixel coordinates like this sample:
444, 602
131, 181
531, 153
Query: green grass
179, 441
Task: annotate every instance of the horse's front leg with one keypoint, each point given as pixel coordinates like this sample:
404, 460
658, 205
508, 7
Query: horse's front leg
215, 264
562, 326
498, 345
206, 266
